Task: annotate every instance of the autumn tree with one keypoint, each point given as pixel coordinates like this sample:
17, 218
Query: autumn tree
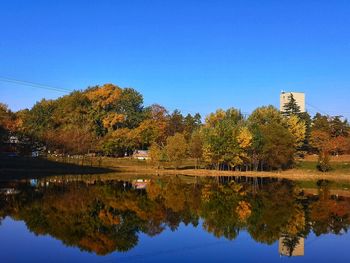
321, 141
220, 146
156, 155
176, 149
118, 143
329, 135
266, 115
297, 128
196, 146
153, 128
6, 121
245, 141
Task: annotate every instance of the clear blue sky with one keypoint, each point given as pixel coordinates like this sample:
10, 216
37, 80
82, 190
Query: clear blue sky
193, 55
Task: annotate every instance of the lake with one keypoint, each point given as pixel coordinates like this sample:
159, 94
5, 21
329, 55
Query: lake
173, 219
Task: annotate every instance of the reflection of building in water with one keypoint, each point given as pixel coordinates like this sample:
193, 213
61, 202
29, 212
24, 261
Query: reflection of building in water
291, 246
140, 183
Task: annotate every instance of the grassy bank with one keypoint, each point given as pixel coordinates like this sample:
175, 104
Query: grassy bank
304, 169
12, 168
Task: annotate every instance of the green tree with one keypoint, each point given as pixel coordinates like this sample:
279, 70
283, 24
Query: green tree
131, 106
220, 146
306, 118
191, 124
321, 123
118, 143
291, 107
339, 127
266, 115
175, 123
196, 146
273, 144
278, 147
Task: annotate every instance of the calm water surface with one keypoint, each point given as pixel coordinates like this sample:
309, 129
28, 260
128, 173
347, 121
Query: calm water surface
173, 219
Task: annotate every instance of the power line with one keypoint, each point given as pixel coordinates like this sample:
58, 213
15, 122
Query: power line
63, 90
33, 84
318, 109
327, 113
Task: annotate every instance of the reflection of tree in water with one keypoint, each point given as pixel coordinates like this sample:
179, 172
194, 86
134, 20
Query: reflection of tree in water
219, 210
109, 216
272, 211
329, 214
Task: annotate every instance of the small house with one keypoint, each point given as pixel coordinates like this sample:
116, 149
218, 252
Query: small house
140, 155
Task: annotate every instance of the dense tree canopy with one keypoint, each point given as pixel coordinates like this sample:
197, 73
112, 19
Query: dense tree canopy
113, 121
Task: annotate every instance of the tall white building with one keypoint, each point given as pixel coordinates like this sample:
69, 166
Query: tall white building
298, 96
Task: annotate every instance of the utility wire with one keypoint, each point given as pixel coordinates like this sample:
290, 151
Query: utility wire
63, 90
33, 84
318, 109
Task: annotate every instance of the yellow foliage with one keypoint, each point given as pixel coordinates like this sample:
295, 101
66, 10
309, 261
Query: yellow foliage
244, 138
236, 160
237, 188
155, 154
207, 154
297, 128
122, 134
296, 223
206, 192
216, 117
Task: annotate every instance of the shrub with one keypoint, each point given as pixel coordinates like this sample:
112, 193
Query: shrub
324, 162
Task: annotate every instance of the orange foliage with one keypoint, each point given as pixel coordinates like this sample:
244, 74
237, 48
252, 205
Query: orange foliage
99, 243
320, 140
104, 96
243, 210
8, 119
339, 144
153, 190
108, 218
112, 119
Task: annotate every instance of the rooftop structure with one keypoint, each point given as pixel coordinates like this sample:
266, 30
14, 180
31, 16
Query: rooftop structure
298, 96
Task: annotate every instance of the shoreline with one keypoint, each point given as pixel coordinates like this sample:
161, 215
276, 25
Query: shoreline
293, 174
11, 169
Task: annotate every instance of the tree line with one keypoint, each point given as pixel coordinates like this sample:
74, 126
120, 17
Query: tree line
113, 121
